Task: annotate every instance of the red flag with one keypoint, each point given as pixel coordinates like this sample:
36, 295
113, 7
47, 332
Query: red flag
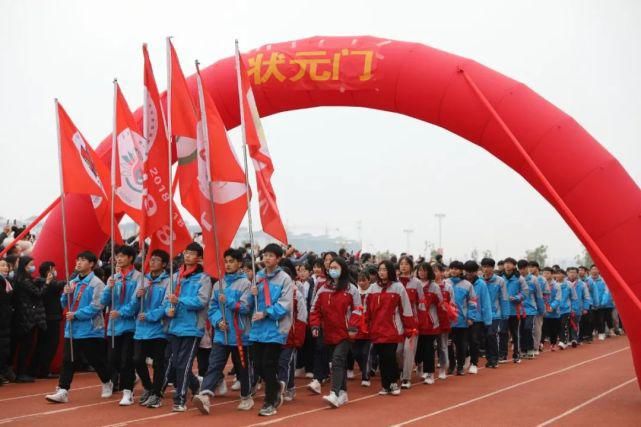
130, 160
219, 176
257, 144
160, 238
157, 181
82, 170
182, 125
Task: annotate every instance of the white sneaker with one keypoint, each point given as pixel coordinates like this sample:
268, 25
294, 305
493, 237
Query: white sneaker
332, 400
429, 379
299, 373
365, 383
562, 345
342, 397
350, 374
473, 369
221, 389
60, 396
442, 374
201, 402
314, 387
601, 337
309, 375
406, 384
394, 389
235, 386
127, 398
467, 362
246, 404
107, 390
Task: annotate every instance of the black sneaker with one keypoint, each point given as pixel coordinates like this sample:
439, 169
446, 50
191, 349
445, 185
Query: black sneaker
267, 411
146, 394
25, 379
154, 402
460, 372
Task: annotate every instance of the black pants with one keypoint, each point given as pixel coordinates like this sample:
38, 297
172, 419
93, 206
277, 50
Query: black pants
564, 333
492, 341
604, 317
460, 339
5, 346
218, 357
477, 336
46, 348
93, 349
121, 359
386, 353
338, 354
551, 328
321, 358
265, 357
155, 349
183, 353
525, 334
21, 347
513, 329
360, 350
202, 357
426, 346
586, 326
305, 354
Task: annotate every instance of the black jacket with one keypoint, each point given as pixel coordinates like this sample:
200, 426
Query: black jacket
30, 311
51, 298
6, 308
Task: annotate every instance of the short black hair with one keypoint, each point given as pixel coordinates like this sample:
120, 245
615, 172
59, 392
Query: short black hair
45, 267
236, 254
471, 266
488, 262
457, 265
391, 271
509, 260
88, 255
195, 247
534, 264
427, 268
273, 248
572, 269
522, 263
163, 255
126, 251
548, 269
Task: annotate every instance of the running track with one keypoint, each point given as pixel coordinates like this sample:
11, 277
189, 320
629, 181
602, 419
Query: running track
591, 385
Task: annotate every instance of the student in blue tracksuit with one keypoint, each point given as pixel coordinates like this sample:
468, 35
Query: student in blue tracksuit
186, 307
465, 300
499, 304
150, 339
552, 317
603, 305
481, 313
568, 298
535, 270
229, 314
581, 306
272, 320
517, 291
587, 320
533, 305
85, 328
120, 296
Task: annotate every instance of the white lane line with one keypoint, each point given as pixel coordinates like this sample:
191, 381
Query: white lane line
57, 411
43, 394
504, 389
587, 402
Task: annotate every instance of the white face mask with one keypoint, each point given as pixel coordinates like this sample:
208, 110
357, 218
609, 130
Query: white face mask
10, 275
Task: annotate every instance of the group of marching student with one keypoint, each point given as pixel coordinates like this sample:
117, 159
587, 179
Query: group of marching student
314, 318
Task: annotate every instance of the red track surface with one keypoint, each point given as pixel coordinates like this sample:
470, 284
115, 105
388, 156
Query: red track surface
591, 385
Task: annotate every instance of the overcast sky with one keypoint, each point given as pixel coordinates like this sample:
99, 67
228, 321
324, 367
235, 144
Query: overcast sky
583, 56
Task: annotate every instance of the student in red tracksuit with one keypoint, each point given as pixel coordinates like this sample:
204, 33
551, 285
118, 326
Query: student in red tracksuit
337, 310
406, 350
445, 317
389, 319
429, 330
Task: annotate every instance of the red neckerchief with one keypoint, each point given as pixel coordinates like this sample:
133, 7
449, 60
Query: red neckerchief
123, 283
266, 294
183, 272
74, 306
404, 280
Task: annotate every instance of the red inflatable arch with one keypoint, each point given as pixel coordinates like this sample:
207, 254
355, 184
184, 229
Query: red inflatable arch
439, 88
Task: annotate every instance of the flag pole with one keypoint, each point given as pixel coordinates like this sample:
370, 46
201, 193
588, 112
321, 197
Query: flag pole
208, 177
143, 207
64, 226
244, 134
112, 224
170, 184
